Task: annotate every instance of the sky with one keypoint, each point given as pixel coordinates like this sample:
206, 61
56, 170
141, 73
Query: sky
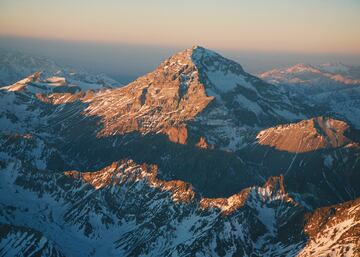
289, 25
136, 35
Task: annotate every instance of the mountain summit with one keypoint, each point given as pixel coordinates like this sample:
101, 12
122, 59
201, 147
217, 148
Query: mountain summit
196, 85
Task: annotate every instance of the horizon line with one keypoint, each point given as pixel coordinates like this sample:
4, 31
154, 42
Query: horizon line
171, 46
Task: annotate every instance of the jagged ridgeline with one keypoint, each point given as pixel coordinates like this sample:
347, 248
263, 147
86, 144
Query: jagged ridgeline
197, 158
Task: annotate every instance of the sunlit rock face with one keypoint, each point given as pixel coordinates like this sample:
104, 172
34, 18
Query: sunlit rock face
334, 231
306, 136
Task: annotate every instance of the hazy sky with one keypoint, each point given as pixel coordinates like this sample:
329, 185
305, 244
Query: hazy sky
306, 26
126, 39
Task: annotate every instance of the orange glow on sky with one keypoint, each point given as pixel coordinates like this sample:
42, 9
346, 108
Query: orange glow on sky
278, 25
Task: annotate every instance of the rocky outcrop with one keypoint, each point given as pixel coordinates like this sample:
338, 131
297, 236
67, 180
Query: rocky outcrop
203, 144
128, 171
272, 190
306, 135
226, 205
125, 171
22, 84
177, 134
333, 231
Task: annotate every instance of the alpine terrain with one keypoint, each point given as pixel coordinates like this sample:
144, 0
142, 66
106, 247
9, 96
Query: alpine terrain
196, 158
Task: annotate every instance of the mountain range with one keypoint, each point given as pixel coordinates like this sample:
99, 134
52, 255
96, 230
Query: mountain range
15, 65
196, 158
331, 86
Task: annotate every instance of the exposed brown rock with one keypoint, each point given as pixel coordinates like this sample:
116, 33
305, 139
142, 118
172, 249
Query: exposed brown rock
129, 171
226, 205
276, 184
22, 84
306, 135
202, 143
61, 98
162, 101
177, 134
273, 189
334, 231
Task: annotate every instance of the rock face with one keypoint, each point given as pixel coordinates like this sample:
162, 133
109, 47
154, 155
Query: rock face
177, 134
306, 136
197, 157
128, 171
203, 144
178, 91
159, 102
334, 231
125, 202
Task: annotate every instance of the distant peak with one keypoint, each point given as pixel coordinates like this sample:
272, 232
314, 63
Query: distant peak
203, 50
334, 63
302, 67
32, 78
22, 84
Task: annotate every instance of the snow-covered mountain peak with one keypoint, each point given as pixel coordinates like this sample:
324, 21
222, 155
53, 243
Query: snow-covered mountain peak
213, 64
32, 78
200, 53
15, 65
216, 72
302, 67
22, 84
277, 75
335, 67
307, 74
37, 83
219, 74
179, 91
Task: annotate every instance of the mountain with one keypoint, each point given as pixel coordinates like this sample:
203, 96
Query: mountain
314, 134
330, 74
37, 84
197, 158
15, 65
124, 209
195, 85
318, 157
333, 87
